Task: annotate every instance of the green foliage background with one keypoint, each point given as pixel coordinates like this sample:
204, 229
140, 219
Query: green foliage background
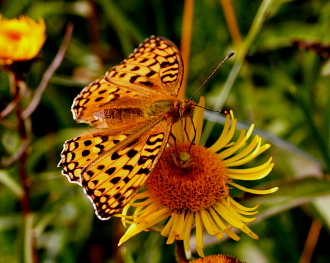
284, 90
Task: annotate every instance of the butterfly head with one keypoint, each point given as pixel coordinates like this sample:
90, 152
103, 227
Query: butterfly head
186, 108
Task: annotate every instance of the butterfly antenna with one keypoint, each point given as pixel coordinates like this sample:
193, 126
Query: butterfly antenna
219, 111
214, 71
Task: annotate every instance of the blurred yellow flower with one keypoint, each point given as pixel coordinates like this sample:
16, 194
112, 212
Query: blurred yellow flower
191, 185
217, 259
20, 39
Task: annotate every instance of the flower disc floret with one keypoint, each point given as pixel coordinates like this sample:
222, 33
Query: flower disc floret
192, 188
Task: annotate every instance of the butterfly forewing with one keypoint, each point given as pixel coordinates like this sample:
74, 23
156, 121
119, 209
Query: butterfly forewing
154, 69
156, 64
97, 96
132, 109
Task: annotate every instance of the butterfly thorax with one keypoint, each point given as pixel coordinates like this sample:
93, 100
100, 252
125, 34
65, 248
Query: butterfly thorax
175, 109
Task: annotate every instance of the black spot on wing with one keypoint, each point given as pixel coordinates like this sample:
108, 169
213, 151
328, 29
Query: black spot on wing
133, 79
153, 149
143, 171
117, 196
99, 99
110, 171
151, 73
133, 142
147, 83
131, 153
90, 173
135, 68
149, 142
85, 153
115, 156
115, 180
144, 159
126, 180
100, 167
128, 167
88, 142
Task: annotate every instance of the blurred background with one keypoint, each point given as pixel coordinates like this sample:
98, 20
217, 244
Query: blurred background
278, 80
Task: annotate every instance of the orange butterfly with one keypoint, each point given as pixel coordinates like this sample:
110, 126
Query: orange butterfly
132, 109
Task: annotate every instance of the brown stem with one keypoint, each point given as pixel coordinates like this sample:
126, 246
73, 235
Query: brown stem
18, 83
188, 19
21, 128
11, 106
180, 254
311, 241
232, 22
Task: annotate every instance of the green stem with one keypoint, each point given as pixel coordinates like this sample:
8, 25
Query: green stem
316, 135
241, 54
8, 181
29, 254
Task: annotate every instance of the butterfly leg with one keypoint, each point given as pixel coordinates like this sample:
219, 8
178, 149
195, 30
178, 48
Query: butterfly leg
193, 125
185, 129
174, 139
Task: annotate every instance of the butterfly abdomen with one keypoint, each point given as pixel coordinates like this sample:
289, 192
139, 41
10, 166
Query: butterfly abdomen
119, 115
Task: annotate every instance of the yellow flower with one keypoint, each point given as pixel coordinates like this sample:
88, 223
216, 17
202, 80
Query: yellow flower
20, 39
191, 185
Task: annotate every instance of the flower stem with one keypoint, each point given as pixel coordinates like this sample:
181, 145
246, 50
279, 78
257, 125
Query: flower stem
314, 130
28, 247
187, 26
311, 241
230, 16
255, 28
180, 254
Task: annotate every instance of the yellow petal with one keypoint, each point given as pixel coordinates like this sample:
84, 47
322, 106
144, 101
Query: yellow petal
254, 191
254, 173
226, 135
199, 235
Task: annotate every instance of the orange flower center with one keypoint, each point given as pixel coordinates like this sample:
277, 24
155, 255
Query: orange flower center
193, 180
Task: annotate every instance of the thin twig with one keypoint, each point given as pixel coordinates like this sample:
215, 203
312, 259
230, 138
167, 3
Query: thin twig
232, 22
30, 253
11, 106
188, 19
17, 156
49, 73
21, 128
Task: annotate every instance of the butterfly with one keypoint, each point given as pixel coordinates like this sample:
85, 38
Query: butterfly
132, 109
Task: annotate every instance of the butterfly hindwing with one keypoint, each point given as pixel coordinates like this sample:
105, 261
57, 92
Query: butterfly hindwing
113, 178
81, 151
